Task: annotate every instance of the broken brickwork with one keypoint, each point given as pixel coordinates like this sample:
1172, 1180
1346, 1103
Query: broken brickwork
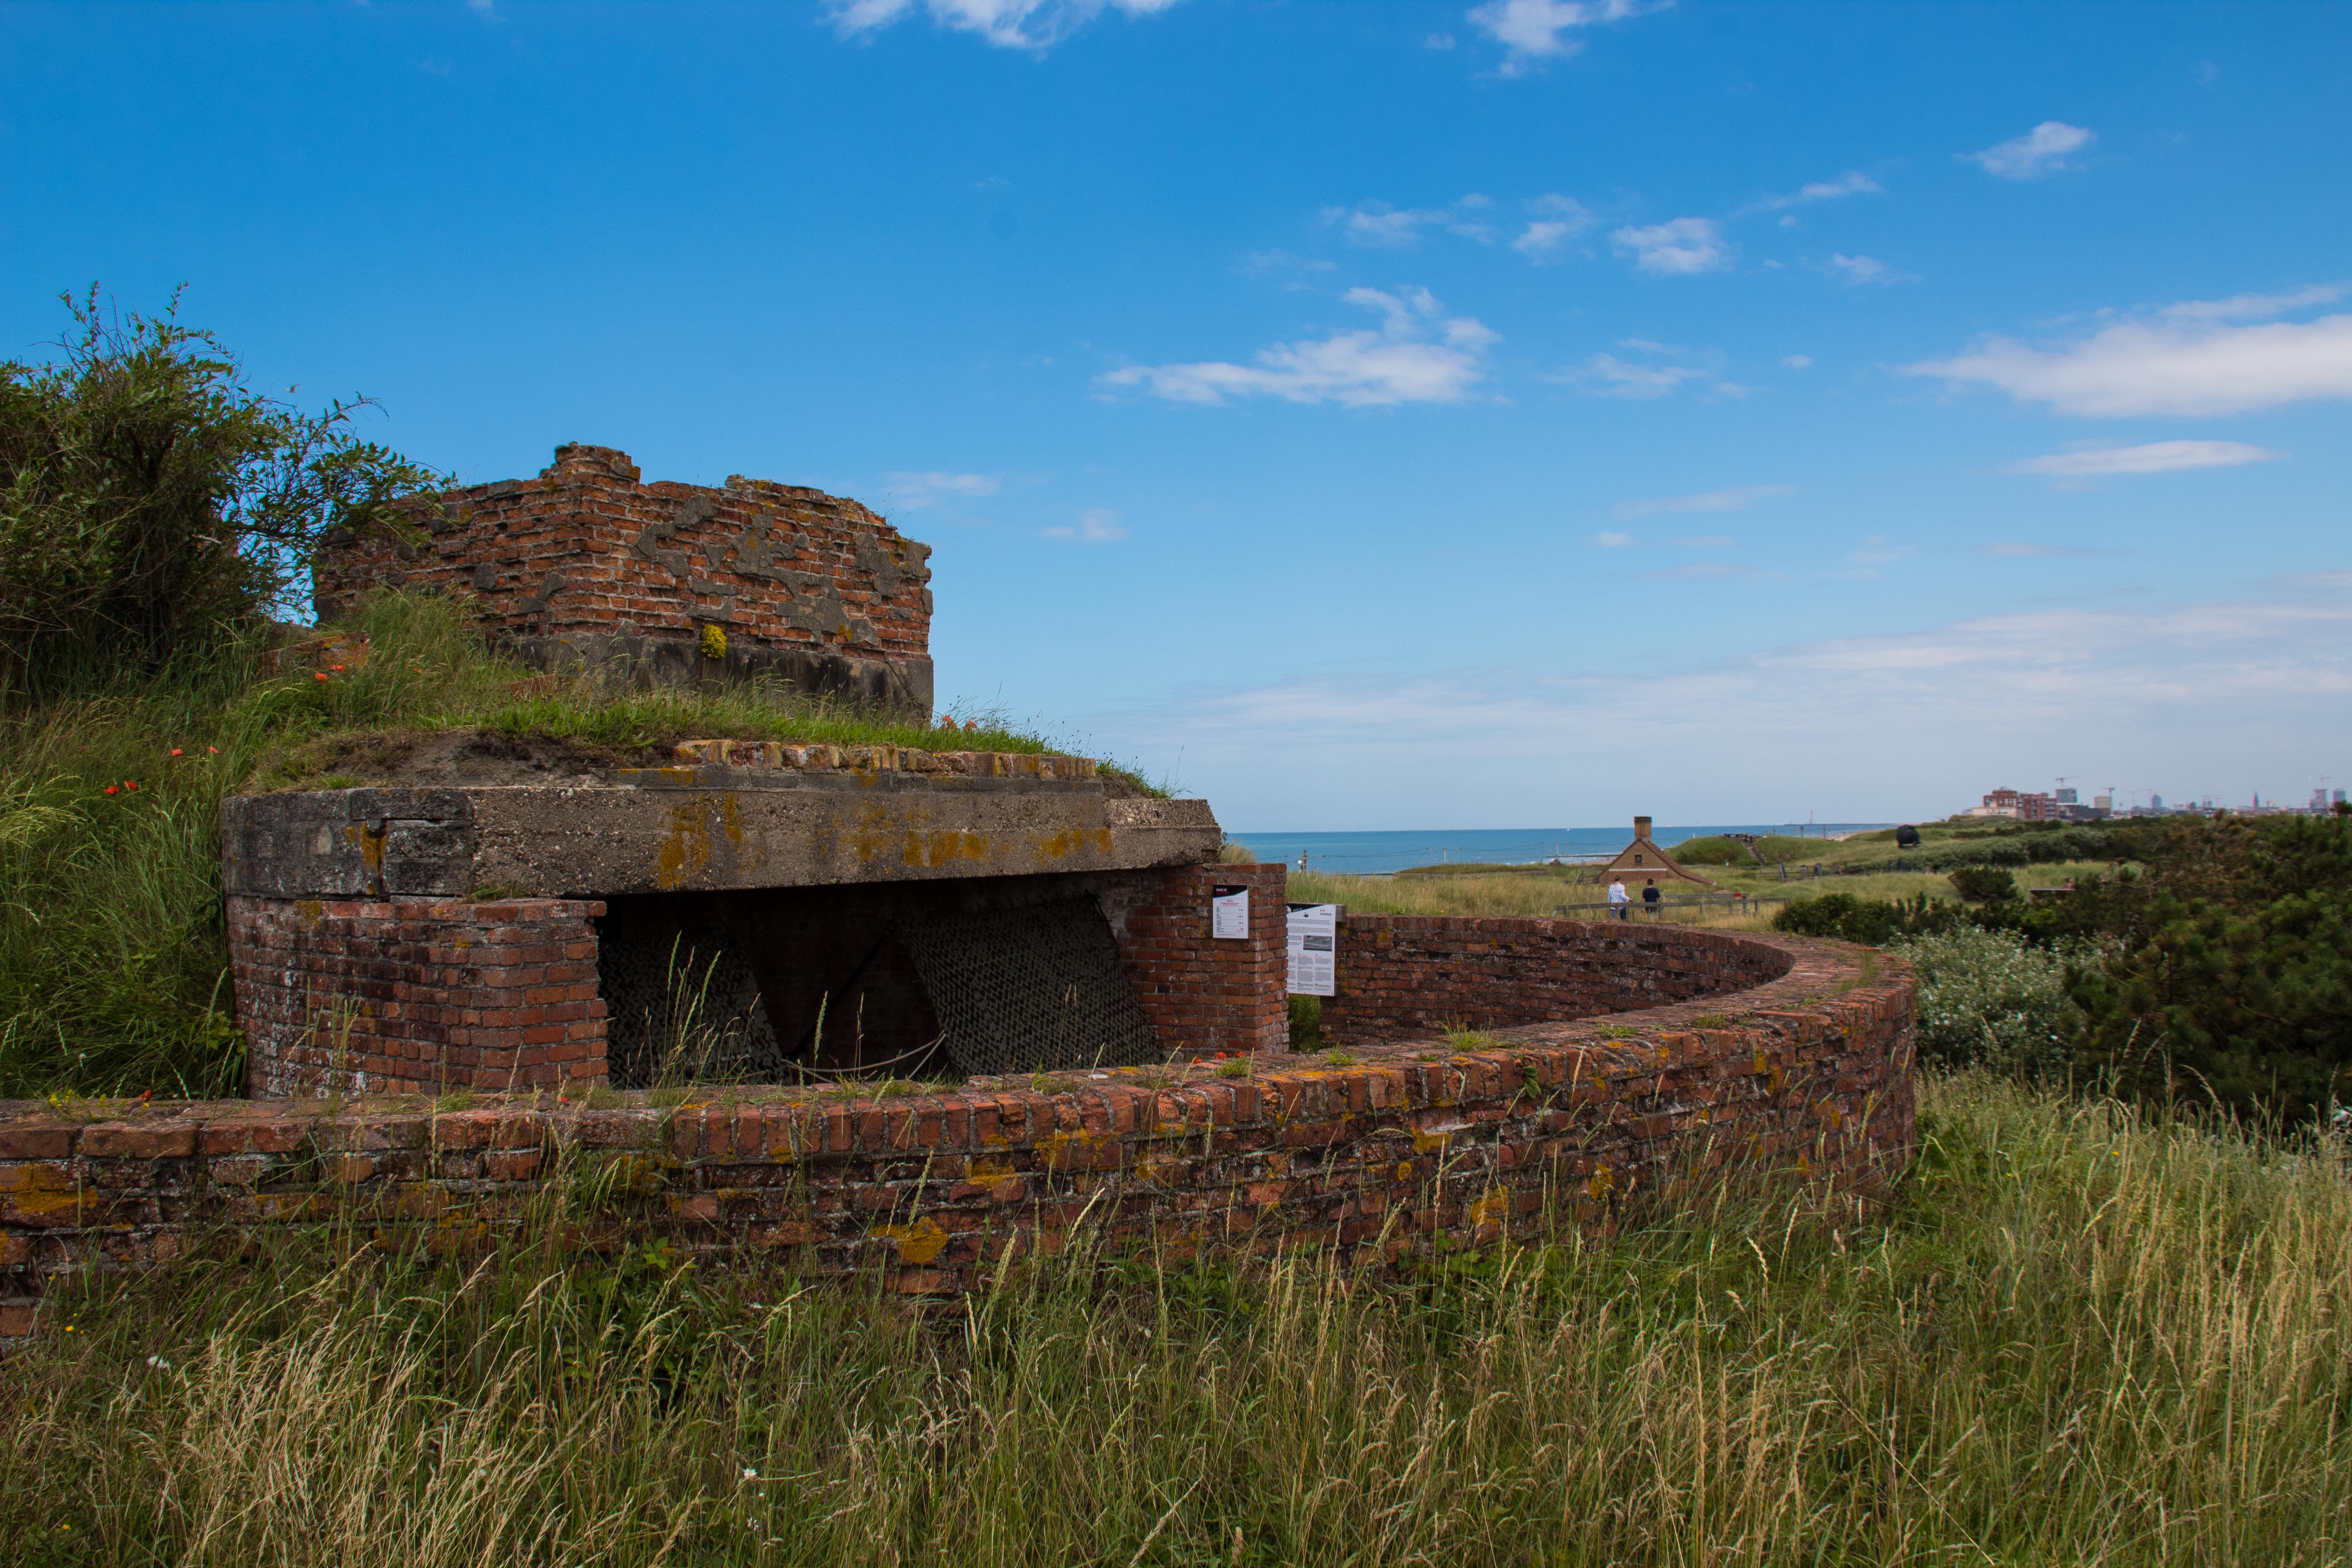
587, 566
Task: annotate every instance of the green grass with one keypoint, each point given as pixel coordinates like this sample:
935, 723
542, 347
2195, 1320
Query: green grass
113, 955
2078, 1337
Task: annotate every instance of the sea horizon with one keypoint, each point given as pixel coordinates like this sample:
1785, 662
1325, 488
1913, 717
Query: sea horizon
1379, 852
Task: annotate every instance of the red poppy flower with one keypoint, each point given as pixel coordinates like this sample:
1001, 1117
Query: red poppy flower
319, 675
175, 751
112, 789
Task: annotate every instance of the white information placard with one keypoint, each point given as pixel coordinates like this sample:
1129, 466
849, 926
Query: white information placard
1314, 941
1229, 913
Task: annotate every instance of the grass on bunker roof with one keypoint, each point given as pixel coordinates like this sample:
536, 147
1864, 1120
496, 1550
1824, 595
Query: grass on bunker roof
2083, 1334
114, 951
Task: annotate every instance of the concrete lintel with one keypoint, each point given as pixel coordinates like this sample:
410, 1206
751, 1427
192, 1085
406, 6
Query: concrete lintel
695, 829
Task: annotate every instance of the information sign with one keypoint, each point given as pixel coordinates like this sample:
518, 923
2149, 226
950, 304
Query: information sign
1229, 913
1314, 934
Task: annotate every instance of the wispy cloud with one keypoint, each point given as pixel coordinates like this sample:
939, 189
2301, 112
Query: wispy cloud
1008, 24
913, 491
1701, 572
1385, 227
2200, 696
1281, 267
2181, 361
2041, 150
1536, 32
1417, 354
1865, 270
1738, 498
1679, 247
1612, 541
1853, 182
1095, 525
2151, 458
1557, 220
1706, 541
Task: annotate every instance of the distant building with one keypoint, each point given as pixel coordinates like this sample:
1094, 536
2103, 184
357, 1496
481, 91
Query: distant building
2064, 797
2024, 806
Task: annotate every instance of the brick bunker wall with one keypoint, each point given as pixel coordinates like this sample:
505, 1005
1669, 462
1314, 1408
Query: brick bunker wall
1402, 975
424, 996
1807, 1077
361, 997
1205, 995
585, 558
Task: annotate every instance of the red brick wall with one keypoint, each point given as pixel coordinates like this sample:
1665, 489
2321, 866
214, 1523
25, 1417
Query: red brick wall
586, 549
1547, 1126
1204, 995
366, 997
1402, 975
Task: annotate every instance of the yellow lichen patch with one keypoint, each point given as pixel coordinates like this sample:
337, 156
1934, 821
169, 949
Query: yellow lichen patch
1051, 1147
1604, 1182
685, 850
1835, 1118
984, 1168
945, 847
917, 1243
1433, 1141
1762, 1067
38, 1189
1493, 1208
1404, 1171
1070, 841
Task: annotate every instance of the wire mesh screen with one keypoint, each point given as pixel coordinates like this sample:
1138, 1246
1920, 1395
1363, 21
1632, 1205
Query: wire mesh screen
675, 1013
1026, 989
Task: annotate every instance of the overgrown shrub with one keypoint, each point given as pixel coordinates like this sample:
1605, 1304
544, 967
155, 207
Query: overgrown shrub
1988, 998
1983, 885
1872, 922
152, 503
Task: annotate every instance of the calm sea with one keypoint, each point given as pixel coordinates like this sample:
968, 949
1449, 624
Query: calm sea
1375, 852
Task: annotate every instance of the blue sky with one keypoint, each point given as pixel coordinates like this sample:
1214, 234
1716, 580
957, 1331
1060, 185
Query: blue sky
1364, 414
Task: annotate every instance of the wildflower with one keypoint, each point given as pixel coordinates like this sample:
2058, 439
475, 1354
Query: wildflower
159, 1363
336, 667
130, 784
112, 789
318, 675
175, 751
749, 1474
213, 750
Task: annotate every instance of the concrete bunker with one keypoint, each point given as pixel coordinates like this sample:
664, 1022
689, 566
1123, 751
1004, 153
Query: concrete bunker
757, 913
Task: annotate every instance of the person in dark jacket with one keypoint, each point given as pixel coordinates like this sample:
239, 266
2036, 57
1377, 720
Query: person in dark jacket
1650, 897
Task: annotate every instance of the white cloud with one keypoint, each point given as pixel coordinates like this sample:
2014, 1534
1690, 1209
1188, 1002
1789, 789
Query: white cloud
1678, 248
1853, 182
2182, 362
1558, 220
1736, 500
2252, 307
1418, 355
1861, 269
913, 491
1008, 23
1706, 541
1097, 525
2041, 150
1609, 376
1384, 227
1799, 361
1612, 540
2221, 694
1438, 41
1531, 30
2152, 457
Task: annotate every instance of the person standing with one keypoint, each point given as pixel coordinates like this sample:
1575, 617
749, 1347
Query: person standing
1617, 900
1650, 897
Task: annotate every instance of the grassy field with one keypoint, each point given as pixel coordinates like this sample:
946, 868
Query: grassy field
2078, 1337
1515, 891
113, 955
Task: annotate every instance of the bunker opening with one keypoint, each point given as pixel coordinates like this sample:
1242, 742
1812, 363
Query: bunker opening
927, 981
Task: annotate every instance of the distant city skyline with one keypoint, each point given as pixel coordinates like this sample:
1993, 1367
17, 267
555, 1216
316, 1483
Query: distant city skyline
1477, 412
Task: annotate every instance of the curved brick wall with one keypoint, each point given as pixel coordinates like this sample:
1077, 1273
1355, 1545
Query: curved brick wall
1406, 976
1538, 1125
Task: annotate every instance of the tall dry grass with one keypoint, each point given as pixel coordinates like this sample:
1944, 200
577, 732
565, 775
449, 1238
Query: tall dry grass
2079, 1336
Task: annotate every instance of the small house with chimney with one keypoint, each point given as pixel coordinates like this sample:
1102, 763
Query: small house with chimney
1643, 859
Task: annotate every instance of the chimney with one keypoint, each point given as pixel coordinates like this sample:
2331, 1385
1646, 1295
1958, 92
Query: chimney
1641, 828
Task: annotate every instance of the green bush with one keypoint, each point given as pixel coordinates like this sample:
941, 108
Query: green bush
1987, 998
152, 504
1714, 849
1872, 922
1984, 884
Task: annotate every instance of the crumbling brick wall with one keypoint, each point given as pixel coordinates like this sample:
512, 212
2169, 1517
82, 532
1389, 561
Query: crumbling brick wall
585, 564
1404, 976
386, 996
1204, 993
1542, 1128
